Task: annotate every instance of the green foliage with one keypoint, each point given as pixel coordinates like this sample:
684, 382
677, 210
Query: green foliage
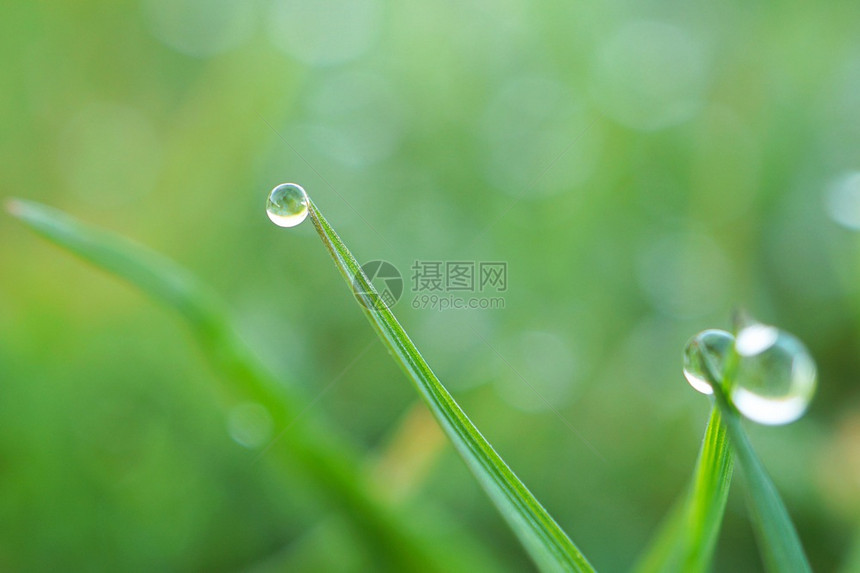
688, 537
686, 542
778, 541
708, 498
545, 541
320, 452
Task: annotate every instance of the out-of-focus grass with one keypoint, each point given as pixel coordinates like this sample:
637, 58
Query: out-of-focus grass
115, 453
686, 542
687, 539
781, 548
548, 545
307, 443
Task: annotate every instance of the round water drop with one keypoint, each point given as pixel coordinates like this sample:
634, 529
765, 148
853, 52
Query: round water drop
287, 205
707, 351
775, 377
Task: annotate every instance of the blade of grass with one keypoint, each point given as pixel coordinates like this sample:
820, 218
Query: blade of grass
547, 544
778, 540
708, 499
322, 455
688, 538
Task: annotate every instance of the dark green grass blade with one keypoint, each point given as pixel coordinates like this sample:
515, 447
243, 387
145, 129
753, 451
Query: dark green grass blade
545, 541
778, 540
334, 468
687, 539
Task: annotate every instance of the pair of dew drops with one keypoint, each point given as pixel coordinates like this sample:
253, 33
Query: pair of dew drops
773, 376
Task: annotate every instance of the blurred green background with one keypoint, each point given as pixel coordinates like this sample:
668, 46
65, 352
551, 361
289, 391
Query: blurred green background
642, 167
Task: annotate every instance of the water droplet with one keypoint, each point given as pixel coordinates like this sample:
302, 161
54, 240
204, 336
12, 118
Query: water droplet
249, 424
287, 205
712, 346
775, 376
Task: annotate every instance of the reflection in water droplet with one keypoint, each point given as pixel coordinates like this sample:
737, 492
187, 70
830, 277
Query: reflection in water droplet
287, 205
249, 424
775, 377
709, 345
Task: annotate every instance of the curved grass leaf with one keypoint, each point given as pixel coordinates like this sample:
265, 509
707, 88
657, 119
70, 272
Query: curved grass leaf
778, 540
319, 452
708, 499
547, 544
688, 538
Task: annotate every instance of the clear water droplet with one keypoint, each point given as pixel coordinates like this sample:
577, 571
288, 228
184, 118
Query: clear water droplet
250, 424
775, 376
287, 205
712, 346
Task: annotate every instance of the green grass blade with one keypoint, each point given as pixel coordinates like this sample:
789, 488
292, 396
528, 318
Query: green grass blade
547, 544
778, 540
708, 498
322, 455
157, 276
688, 537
